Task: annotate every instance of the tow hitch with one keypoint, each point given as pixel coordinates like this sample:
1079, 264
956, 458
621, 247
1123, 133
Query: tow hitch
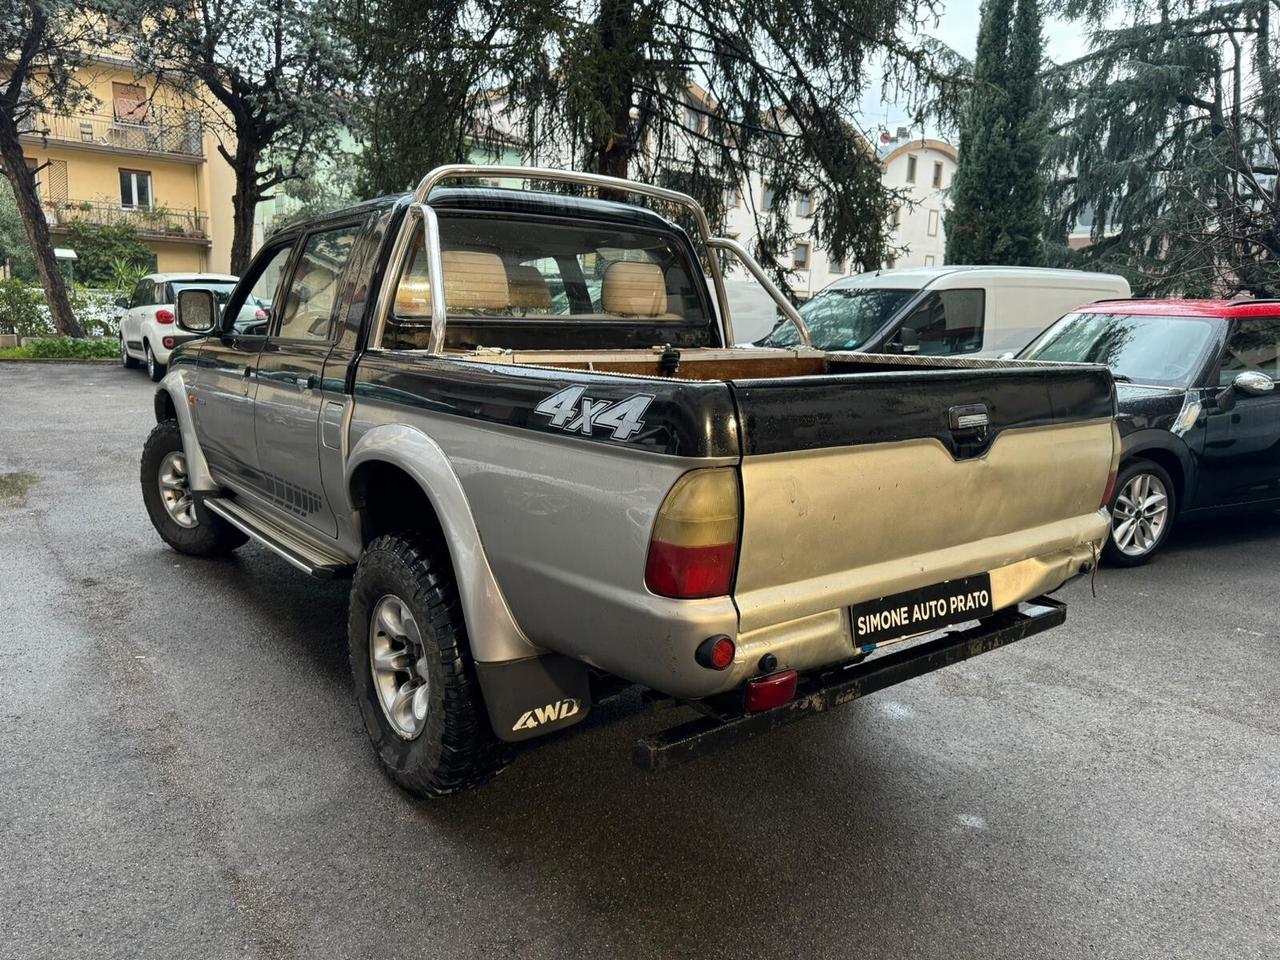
819, 692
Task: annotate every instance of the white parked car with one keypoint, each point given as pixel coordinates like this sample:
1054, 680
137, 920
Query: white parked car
946, 311
147, 330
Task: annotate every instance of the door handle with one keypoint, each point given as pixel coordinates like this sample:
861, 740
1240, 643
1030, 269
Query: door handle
248, 371
311, 382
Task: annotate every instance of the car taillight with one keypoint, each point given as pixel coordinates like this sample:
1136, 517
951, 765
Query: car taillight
1115, 465
694, 547
765, 693
164, 315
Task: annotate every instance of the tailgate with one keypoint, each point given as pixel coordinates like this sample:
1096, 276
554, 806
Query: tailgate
860, 486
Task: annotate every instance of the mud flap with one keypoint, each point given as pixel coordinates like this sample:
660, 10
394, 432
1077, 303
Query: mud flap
535, 696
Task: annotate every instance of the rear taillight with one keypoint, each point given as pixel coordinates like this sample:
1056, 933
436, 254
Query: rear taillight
765, 693
164, 315
1115, 466
694, 547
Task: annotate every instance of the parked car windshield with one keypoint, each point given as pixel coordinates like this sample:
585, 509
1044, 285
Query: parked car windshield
841, 318
1161, 351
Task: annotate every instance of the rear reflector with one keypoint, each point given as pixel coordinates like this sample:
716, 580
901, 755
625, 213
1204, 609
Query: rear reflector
765, 693
169, 342
694, 546
716, 653
164, 315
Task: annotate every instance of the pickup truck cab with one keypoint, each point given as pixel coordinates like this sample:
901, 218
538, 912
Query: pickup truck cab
512, 418
946, 311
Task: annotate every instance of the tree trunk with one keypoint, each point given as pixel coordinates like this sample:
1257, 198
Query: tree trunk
618, 42
243, 205
37, 229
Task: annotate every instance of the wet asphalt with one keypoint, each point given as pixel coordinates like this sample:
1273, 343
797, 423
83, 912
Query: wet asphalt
183, 772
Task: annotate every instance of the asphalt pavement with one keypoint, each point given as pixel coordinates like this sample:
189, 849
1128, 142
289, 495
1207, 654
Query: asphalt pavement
183, 771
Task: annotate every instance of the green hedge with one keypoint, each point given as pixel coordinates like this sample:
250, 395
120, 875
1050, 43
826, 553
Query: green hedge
63, 348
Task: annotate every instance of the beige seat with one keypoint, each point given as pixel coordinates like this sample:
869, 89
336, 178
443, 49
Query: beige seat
475, 280
633, 289
529, 289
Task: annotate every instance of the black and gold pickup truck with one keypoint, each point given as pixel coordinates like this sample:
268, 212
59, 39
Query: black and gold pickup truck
515, 419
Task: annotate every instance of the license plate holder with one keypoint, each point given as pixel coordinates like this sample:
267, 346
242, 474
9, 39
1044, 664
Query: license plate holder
920, 611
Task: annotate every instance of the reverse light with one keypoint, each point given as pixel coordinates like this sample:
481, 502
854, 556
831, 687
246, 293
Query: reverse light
765, 693
694, 546
164, 315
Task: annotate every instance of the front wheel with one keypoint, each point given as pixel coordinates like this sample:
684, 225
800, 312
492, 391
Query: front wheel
414, 678
1142, 510
166, 490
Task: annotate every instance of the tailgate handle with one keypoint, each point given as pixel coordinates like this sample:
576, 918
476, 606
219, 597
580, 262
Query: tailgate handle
969, 416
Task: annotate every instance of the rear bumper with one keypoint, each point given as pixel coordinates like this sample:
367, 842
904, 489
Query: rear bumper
821, 690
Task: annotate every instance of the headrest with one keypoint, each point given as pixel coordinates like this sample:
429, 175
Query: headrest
528, 289
634, 289
474, 280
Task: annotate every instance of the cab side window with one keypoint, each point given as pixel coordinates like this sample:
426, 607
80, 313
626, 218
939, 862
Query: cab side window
267, 272
307, 312
949, 322
141, 294
1254, 345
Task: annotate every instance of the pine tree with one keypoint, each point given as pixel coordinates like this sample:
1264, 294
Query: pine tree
1168, 133
997, 213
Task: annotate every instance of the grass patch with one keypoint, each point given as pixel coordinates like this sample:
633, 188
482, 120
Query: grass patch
14, 486
63, 348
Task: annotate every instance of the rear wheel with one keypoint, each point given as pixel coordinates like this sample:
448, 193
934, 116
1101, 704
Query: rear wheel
155, 369
414, 677
166, 490
126, 361
1142, 511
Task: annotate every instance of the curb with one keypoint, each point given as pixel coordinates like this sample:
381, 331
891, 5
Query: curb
112, 360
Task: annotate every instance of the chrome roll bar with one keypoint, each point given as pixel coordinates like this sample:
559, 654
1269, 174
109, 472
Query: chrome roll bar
420, 209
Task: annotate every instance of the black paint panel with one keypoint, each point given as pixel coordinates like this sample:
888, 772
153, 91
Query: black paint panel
686, 418
842, 410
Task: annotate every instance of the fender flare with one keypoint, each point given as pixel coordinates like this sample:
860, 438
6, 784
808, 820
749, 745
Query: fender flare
1157, 438
494, 634
174, 384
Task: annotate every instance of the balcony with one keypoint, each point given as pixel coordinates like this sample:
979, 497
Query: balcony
157, 223
176, 134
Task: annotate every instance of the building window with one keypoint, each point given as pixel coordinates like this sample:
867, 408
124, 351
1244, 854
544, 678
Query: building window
732, 198
933, 223
804, 204
891, 263
766, 199
835, 265
800, 256
929, 260
130, 102
135, 190
911, 169
896, 220
937, 175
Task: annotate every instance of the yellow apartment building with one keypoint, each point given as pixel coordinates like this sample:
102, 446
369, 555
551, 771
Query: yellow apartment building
141, 156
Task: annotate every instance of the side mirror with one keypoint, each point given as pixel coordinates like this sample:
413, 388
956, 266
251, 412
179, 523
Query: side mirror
122, 303
196, 311
1253, 384
907, 340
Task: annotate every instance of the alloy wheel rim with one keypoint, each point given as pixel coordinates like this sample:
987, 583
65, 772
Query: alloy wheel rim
398, 664
175, 490
124, 353
151, 361
1140, 515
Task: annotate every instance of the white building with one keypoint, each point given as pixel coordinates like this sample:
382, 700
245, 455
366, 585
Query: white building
922, 169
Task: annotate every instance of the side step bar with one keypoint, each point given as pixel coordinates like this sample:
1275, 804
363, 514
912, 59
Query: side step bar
307, 557
819, 693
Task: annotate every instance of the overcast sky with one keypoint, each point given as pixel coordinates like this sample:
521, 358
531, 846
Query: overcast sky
958, 29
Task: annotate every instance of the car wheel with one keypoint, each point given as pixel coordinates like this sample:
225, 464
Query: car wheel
1142, 512
126, 361
155, 369
414, 677
166, 490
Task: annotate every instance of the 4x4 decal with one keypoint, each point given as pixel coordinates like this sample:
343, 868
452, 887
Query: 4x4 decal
571, 411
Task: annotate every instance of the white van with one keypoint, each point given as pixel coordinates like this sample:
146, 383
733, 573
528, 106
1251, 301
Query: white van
977, 311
